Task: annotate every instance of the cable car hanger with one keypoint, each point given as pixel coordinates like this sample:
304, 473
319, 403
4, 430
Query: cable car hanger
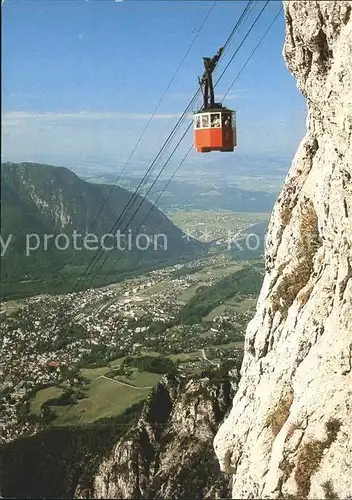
206, 82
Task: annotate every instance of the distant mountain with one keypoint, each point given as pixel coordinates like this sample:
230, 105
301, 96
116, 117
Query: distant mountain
251, 243
200, 194
41, 202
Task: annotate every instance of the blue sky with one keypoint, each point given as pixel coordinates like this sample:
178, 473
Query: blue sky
81, 78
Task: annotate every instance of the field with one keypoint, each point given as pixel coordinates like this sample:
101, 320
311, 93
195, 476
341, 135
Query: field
184, 357
247, 304
219, 225
42, 396
105, 397
110, 397
9, 307
206, 274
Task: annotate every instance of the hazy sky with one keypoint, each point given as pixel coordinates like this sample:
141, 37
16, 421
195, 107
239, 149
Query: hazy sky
81, 78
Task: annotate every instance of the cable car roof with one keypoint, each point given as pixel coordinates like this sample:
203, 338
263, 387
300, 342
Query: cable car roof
214, 110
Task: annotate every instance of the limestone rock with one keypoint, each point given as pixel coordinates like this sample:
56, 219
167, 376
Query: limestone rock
289, 431
169, 453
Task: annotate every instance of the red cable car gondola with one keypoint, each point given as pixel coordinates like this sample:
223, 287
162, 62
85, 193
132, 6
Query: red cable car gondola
214, 125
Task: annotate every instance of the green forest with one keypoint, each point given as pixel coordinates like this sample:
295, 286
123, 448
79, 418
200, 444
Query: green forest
247, 281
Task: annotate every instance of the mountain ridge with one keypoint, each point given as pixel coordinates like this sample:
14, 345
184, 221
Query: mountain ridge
46, 200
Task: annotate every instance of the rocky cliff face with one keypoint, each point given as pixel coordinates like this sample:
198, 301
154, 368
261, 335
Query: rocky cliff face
289, 432
168, 453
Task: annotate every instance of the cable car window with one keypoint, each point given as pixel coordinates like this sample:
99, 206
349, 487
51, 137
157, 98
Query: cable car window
234, 118
226, 120
197, 121
205, 121
215, 120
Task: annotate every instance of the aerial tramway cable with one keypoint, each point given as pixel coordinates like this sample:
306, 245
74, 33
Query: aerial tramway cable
177, 145
135, 195
226, 93
168, 140
155, 111
181, 139
132, 199
258, 44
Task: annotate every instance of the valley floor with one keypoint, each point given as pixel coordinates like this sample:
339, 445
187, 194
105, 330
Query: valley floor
64, 357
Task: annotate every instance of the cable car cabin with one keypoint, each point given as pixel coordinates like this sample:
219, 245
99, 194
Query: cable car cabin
214, 125
215, 130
